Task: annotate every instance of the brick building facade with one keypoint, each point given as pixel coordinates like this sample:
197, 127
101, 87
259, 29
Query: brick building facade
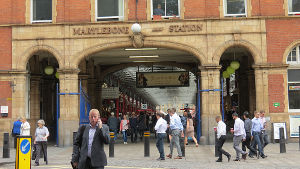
267, 31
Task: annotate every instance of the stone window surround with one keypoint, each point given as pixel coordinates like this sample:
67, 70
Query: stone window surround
29, 13
179, 9
293, 65
291, 13
235, 15
120, 17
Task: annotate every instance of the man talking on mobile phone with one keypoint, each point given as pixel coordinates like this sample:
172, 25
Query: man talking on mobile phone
88, 152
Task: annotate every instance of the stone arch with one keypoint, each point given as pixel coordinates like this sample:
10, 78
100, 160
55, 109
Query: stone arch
256, 54
22, 62
289, 49
147, 43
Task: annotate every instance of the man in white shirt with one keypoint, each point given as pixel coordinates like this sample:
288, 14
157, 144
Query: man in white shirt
221, 138
160, 127
25, 127
238, 136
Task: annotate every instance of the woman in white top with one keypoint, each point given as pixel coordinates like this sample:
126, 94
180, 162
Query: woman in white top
41, 135
124, 127
25, 127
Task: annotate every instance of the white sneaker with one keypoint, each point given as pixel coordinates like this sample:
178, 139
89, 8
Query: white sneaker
125, 142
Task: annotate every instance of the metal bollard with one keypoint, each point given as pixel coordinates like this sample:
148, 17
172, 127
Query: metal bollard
112, 144
147, 144
216, 148
74, 136
282, 140
182, 146
6, 152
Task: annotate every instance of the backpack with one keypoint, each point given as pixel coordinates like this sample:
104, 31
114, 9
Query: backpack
183, 121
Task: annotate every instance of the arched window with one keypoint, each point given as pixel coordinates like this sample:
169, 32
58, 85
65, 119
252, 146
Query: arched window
293, 59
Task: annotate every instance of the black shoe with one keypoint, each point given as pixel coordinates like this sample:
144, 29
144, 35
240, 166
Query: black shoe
36, 164
236, 159
244, 156
46, 162
219, 160
229, 157
250, 156
264, 156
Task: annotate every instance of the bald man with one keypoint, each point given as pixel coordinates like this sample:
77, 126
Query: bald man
88, 152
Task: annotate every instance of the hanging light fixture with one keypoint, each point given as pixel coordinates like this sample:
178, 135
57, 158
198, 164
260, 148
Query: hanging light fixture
49, 69
234, 64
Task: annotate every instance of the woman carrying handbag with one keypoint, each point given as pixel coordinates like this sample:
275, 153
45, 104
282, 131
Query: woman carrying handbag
124, 127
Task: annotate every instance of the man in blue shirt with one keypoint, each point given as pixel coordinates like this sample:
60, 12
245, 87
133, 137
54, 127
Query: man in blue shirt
256, 133
176, 131
16, 130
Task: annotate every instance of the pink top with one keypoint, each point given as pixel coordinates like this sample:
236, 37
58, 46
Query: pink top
124, 125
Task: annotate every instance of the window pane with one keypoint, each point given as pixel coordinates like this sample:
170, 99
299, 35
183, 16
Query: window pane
289, 58
235, 7
172, 8
158, 7
42, 10
294, 55
294, 95
294, 5
294, 75
108, 8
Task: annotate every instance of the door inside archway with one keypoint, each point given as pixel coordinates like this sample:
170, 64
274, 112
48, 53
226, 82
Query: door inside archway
42, 81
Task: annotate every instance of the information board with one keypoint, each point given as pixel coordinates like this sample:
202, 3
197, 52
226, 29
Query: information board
294, 125
276, 127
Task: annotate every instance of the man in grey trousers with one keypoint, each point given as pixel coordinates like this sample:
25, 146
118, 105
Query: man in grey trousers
239, 135
176, 132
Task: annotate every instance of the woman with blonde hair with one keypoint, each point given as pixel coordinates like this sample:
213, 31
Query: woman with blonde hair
41, 135
25, 127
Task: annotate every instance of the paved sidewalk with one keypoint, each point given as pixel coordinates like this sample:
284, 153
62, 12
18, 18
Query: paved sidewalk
131, 156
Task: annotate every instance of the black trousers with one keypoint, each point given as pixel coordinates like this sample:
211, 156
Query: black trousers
220, 143
89, 165
247, 143
41, 146
133, 135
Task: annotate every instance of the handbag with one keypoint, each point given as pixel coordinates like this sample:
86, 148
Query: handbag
33, 152
128, 131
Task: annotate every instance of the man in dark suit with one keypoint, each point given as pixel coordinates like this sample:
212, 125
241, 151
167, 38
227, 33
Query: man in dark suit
88, 152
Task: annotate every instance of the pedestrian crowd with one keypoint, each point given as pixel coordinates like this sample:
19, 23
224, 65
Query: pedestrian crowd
21, 127
251, 133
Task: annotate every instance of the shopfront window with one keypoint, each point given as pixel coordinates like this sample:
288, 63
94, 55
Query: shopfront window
165, 8
109, 9
235, 7
293, 60
294, 6
41, 10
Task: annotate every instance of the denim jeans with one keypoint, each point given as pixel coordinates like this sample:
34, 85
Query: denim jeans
124, 135
256, 138
160, 144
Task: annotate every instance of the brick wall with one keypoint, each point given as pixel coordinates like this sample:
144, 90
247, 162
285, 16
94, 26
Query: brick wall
5, 48
73, 11
5, 97
276, 92
267, 8
141, 10
201, 9
12, 11
280, 34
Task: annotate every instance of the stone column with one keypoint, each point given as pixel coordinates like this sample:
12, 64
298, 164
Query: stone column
69, 105
259, 88
210, 101
19, 95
